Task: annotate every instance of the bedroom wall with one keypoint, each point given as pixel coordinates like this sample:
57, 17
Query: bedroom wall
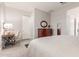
56, 18
0, 26
27, 27
33, 24
39, 16
1, 15
15, 17
74, 21
60, 16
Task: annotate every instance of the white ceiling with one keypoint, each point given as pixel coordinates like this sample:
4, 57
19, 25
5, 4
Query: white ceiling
29, 6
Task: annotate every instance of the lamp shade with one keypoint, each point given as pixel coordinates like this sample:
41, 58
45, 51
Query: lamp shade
8, 26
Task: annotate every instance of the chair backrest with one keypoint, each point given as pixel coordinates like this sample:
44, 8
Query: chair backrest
17, 34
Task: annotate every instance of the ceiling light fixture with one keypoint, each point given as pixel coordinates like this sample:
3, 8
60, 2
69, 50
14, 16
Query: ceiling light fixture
62, 3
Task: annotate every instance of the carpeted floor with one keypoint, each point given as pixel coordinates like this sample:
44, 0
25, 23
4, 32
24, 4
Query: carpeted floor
19, 50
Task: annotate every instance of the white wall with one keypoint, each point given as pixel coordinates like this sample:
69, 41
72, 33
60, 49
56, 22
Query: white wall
0, 26
27, 27
73, 15
33, 24
40, 16
15, 17
60, 16
56, 18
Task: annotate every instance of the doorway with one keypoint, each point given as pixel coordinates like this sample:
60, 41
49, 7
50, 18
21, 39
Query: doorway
26, 27
73, 21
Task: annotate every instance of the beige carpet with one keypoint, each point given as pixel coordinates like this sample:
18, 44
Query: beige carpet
19, 50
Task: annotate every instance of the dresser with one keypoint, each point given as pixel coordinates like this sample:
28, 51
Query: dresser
43, 32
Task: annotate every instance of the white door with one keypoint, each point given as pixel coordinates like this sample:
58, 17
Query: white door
26, 27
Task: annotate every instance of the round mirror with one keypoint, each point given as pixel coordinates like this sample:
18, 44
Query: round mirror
43, 24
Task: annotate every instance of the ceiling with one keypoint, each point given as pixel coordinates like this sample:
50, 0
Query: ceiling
29, 6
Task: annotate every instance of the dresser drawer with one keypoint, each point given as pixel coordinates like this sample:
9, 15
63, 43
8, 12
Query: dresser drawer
45, 32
